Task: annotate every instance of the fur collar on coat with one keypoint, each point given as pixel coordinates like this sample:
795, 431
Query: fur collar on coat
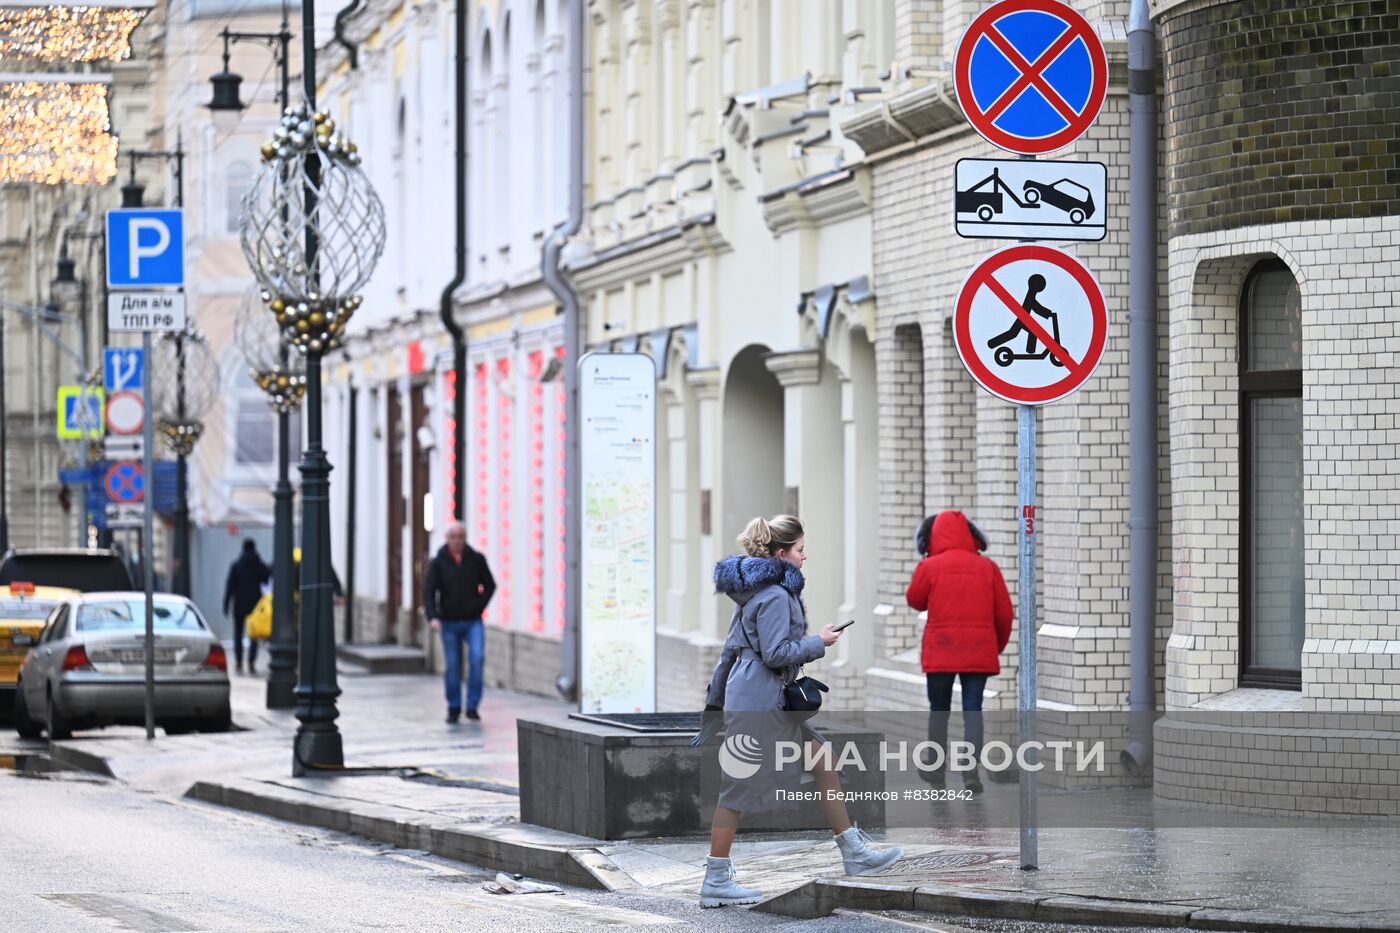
737, 575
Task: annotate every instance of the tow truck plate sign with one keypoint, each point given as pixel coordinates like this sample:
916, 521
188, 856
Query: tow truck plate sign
1018, 199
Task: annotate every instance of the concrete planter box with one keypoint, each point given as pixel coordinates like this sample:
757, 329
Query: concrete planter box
610, 782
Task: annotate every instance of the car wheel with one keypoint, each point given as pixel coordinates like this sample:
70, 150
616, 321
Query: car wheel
59, 727
24, 723
222, 722
1076, 216
1032, 195
984, 213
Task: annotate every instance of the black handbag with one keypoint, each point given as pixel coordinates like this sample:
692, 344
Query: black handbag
803, 695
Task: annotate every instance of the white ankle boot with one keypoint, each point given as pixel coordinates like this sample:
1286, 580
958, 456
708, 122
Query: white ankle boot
720, 889
859, 857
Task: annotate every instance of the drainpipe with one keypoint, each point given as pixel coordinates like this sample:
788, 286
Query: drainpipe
351, 50
1142, 386
563, 289
459, 337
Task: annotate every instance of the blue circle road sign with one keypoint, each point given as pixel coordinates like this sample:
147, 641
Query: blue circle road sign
1030, 75
125, 482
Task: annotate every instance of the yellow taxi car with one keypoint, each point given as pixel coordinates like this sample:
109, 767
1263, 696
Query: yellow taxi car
23, 611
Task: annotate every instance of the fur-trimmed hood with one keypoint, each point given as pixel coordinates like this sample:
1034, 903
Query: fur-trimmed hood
740, 577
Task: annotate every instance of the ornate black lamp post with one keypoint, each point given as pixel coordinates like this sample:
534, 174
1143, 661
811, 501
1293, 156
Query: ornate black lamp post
275, 371
226, 84
312, 230
284, 381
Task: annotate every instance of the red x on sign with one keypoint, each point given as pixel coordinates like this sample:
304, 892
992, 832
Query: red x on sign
125, 482
1030, 324
1030, 75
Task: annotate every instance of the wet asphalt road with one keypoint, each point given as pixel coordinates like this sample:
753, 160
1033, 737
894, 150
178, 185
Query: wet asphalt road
82, 853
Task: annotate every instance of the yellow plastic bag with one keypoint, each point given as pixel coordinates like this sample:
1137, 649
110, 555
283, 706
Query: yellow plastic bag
259, 621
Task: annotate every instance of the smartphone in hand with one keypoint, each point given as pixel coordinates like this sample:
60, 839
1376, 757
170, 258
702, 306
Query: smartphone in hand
844, 625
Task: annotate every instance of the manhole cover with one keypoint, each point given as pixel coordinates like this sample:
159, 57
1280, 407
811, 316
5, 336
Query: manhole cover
919, 863
645, 722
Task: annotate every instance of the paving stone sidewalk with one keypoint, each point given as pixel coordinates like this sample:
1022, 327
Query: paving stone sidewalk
451, 790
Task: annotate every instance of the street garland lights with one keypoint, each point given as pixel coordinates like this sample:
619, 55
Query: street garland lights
312, 230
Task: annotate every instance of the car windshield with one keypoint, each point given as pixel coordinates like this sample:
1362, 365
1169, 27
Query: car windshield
118, 614
26, 609
1070, 188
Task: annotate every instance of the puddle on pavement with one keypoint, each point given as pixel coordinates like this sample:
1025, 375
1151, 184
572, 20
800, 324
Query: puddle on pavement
31, 765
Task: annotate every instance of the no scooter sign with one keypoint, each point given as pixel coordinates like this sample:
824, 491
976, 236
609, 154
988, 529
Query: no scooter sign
1030, 324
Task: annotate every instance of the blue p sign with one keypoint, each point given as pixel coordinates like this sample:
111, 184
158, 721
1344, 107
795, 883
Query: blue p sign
145, 248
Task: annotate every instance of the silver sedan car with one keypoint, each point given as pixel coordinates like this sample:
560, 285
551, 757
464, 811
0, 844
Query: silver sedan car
89, 667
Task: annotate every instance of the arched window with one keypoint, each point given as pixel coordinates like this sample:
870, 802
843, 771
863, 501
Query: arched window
1271, 478
236, 180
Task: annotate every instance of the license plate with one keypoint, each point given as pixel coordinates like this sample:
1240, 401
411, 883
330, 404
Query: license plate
163, 656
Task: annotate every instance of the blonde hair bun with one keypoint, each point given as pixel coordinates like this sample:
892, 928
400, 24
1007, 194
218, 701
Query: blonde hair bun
762, 537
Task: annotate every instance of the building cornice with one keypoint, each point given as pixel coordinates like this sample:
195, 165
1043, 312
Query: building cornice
661, 251
823, 199
796, 368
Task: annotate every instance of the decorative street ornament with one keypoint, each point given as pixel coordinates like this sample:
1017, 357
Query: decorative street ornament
185, 383
55, 129
260, 341
91, 32
311, 181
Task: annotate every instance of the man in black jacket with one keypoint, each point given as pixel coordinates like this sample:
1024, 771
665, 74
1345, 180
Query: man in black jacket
241, 594
455, 594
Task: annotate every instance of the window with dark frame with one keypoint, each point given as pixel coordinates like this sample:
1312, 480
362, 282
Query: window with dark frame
1272, 595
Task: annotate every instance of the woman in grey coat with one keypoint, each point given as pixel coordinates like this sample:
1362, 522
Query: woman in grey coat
765, 648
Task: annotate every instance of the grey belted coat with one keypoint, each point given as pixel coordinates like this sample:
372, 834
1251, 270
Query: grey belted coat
767, 641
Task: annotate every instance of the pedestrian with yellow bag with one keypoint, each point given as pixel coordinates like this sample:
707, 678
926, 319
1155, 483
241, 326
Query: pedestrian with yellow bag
243, 592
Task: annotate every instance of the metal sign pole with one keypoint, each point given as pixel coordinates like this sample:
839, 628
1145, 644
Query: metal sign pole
1025, 674
148, 558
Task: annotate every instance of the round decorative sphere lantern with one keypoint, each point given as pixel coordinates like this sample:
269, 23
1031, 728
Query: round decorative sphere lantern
279, 374
311, 182
185, 383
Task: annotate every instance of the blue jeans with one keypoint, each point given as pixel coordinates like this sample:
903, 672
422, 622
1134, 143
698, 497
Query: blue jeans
454, 632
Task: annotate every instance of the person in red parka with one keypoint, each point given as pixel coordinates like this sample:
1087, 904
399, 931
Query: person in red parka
969, 624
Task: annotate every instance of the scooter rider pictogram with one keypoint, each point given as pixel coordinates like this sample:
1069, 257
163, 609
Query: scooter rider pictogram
1005, 355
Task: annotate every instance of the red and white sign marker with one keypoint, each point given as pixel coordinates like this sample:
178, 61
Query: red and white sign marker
1030, 324
1030, 75
126, 413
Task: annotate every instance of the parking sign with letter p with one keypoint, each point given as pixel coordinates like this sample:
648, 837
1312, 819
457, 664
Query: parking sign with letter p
145, 248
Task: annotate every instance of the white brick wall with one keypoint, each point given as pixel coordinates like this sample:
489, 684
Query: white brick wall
1351, 476
969, 452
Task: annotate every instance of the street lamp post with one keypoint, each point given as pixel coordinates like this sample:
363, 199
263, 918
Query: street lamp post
272, 376
312, 229
265, 352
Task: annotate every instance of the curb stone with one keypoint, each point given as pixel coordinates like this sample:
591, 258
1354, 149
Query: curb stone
71, 757
821, 898
550, 856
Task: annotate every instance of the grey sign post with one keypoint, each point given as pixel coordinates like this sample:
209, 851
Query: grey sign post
146, 250
1000, 91
148, 538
